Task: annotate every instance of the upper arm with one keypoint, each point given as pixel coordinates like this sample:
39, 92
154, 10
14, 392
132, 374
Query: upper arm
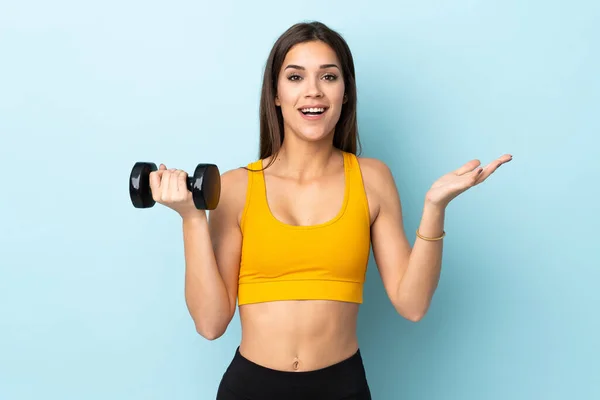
225, 232
391, 248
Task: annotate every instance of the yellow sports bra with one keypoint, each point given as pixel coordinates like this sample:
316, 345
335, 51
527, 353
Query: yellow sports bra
288, 262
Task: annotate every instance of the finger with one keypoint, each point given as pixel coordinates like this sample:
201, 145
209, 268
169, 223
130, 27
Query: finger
156, 178
181, 181
468, 167
172, 182
475, 176
488, 170
499, 161
166, 185
484, 175
494, 165
155, 184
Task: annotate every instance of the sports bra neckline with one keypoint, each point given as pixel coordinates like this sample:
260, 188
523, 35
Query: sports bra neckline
331, 221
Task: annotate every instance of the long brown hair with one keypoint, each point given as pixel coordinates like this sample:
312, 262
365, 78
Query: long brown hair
271, 120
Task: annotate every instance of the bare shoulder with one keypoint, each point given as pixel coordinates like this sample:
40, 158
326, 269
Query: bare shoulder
377, 176
234, 184
379, 185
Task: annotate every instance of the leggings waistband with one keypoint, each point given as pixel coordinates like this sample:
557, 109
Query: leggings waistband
339, 380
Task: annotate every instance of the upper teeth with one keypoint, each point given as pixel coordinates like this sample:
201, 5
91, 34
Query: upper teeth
313, 110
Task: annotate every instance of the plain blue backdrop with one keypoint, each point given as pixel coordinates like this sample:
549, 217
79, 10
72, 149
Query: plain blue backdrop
91, 289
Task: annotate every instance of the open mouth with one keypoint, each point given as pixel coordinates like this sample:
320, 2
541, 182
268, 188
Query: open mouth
313, 112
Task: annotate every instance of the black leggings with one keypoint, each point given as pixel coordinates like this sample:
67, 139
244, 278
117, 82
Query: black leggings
246, 380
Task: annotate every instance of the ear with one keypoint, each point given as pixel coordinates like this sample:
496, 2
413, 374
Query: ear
345, 99
277, 102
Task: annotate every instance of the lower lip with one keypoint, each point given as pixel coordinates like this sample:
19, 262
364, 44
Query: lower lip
312, 117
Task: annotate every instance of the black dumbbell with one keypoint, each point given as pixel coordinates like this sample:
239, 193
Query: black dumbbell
205, 185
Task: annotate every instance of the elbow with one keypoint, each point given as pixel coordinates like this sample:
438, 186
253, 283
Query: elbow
411, 314
414, 317
210, 333
211, 325
211, 329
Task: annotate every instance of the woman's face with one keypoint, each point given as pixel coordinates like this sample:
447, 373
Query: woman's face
310, 91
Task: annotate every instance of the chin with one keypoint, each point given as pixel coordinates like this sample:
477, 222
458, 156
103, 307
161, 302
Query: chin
314, 135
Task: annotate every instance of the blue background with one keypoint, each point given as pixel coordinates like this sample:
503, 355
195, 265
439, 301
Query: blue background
91, 290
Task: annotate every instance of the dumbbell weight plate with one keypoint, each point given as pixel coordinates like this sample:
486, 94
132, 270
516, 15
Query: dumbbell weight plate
205, 186
139, 185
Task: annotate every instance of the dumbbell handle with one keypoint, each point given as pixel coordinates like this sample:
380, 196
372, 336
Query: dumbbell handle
189, 183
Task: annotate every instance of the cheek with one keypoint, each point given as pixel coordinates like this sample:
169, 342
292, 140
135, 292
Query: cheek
286, 92
337, 95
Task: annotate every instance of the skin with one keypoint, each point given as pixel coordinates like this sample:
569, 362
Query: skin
305, 187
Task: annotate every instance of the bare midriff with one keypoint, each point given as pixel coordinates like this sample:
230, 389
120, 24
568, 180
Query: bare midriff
298, 335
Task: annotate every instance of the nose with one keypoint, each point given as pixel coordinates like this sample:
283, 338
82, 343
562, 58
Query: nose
313, 88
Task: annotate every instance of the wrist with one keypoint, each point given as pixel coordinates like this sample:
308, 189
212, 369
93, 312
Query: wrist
433, 208
194, 218
434, 201
432, 220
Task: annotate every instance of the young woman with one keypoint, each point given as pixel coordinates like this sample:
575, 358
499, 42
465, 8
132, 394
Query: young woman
289, 241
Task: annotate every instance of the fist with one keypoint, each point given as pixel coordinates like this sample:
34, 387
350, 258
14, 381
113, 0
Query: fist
169, 188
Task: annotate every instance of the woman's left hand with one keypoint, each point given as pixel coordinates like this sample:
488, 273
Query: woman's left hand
456, 182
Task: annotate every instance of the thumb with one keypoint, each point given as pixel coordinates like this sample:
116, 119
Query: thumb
182, 180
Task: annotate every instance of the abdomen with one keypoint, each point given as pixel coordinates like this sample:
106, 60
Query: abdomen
298, 335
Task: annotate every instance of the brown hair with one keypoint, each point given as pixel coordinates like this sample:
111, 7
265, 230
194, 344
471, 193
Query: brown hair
271, 120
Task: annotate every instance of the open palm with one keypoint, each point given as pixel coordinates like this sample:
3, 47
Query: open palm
456, 182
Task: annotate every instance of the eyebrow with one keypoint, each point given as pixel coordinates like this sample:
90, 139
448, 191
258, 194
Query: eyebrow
323, 66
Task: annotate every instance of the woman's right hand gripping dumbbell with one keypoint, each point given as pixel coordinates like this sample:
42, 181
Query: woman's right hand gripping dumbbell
169, 188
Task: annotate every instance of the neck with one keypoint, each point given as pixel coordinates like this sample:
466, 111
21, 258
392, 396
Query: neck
302, 159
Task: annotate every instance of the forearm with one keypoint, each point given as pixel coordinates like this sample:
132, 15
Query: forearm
205, 292
420, 280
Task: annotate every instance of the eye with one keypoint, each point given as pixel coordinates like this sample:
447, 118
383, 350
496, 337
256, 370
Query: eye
294, 77
330, 77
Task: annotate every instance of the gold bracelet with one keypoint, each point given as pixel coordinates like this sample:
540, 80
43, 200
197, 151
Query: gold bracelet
431, 239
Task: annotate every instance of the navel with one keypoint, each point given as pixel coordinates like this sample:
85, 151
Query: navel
296, 363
